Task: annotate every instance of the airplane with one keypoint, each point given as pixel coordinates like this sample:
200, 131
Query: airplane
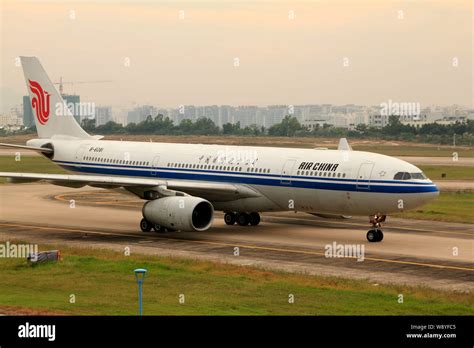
183, 184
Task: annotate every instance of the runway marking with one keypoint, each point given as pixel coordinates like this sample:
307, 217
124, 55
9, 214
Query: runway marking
256, 247
60, 197
388, 227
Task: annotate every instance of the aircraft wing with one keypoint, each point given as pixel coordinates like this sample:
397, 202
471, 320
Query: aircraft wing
208, 190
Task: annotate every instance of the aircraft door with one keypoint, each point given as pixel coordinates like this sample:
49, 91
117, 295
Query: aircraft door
363, 176
154, 165
80, 154
287, 171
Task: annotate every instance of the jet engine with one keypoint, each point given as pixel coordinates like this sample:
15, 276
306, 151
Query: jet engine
185, 213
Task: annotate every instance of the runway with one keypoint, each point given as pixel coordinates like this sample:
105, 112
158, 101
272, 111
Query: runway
413, 252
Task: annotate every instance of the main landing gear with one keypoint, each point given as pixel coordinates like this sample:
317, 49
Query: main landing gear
242, 219
147, 226
376, 234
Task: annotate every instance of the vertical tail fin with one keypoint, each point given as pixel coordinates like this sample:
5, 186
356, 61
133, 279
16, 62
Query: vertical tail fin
52, 117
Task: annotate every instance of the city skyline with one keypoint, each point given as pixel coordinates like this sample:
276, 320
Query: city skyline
313, 115
279, 53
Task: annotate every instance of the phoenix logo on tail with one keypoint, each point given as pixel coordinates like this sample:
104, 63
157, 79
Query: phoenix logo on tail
40, 101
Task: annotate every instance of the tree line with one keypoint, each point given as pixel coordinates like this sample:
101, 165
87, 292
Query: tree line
288, 127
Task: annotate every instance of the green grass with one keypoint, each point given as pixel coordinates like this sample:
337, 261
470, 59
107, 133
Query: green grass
452, 172
415, 150
29, 164
104, 284
449, 207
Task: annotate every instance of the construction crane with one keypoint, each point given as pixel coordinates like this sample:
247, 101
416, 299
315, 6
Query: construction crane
61, 83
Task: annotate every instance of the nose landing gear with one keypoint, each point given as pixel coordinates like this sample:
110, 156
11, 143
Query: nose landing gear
376, 234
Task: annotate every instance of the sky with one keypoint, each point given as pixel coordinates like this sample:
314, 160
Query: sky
171, 53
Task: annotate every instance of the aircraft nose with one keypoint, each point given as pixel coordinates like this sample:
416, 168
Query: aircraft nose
436, 188
433, 193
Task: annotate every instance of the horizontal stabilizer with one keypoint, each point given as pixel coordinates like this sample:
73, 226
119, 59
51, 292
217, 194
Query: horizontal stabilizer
31, 148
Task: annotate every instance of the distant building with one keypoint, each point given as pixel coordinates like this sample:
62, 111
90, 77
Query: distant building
13, 120
103, 114
314, 123
140, 113
378, 121
16, 116
275, 114
73, 102
4, 120
225, 112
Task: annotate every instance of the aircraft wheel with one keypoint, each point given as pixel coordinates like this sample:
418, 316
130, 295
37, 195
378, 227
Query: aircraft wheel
372, 236
145, 225
230, 218
159, 228
254, 219
243, 219
380, 235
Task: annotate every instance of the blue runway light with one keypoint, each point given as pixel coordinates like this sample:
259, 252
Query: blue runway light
140, 277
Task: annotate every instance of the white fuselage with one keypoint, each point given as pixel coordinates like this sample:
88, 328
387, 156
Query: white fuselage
317, 181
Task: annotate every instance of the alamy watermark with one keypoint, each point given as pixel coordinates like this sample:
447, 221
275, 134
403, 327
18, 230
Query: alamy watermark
236, 157
407, 109
336, 250
12, 250
83, 109
28, 330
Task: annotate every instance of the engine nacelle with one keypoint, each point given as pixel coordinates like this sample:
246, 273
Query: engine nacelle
185, 213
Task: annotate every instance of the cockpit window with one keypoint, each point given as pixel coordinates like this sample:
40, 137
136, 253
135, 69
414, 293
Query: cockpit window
408, 176
398, 176
419, 176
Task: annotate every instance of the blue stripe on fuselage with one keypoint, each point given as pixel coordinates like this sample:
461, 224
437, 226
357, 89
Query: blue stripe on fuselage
255, 179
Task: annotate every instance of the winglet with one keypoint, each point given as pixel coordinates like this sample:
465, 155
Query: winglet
344, 145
